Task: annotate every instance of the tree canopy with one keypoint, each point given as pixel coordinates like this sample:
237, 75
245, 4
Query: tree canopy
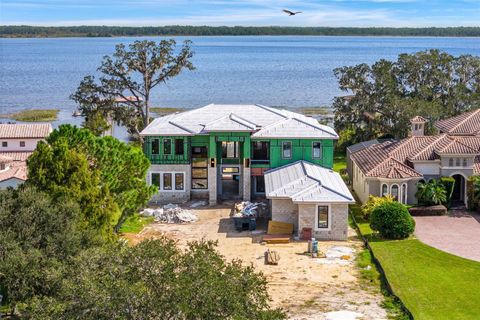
382, 98
126, 80
117, 31
104, 175
157, 280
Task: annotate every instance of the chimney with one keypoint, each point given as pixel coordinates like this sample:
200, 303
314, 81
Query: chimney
418, 126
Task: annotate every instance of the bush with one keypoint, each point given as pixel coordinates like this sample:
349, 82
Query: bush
374, 202
431, 193
449, 184
392, 220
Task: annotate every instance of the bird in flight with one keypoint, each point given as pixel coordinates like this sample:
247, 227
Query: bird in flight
291, 13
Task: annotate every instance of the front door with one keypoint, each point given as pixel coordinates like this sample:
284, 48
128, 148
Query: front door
230, 178
458, 195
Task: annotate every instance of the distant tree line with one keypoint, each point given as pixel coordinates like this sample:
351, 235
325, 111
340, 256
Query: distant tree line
113, 31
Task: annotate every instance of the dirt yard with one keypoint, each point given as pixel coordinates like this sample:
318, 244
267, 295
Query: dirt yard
301, 285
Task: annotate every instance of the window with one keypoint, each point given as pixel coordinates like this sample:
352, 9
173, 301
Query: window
286, 150
230, 170
167, 146
457, 162
317, 150
260, 151
2, 166
464, 162
260, 184
179, 181
179, 147
199, 168
22, 144
230, 149
167, 181
416, 127
404, 193
4, 144
155, 146
322, 217
450, 162
156, 179
394, 192
384, 190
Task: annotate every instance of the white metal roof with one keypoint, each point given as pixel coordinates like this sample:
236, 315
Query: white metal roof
264, 122
303, 181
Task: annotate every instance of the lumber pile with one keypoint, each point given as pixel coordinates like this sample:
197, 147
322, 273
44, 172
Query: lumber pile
278, 232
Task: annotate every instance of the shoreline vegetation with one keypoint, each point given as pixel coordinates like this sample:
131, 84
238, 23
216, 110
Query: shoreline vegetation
33, 115
24, 31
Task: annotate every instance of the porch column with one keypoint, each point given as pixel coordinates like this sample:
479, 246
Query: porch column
212, 171
246, 169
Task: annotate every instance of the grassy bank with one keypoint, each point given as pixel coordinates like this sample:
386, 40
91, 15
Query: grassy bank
135, 224
161, 111
431, 283
34, 115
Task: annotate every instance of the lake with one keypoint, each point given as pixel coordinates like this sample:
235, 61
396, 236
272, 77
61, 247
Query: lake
294, 71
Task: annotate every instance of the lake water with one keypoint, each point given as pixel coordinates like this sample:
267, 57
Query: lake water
294, 71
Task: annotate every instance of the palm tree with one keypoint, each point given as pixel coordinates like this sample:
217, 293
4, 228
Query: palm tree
431, 193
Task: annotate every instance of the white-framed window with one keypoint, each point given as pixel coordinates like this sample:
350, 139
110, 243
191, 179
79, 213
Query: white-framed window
395, 191
457, 162
286, 149
4, 144
168, 181
316, 149
384, 190
323, 218
464, 162
22, 144
450, 162
404, 193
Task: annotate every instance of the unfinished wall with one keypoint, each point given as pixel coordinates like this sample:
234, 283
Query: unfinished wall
162, 196
338, 226
284, 210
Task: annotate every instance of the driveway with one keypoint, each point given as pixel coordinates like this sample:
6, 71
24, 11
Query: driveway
457, 233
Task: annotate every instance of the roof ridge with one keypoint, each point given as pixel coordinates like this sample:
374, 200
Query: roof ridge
254, 125
474, 112
463, 144
180, 126
432, 145
311, 125
272, 111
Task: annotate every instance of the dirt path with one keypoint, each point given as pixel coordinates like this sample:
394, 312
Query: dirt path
302, 286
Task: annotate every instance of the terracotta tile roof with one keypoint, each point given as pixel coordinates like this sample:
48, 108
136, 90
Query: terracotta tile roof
16, 155
418, 119
24, 130
476, 165
394, 159
5, 159
465, 124
15, 169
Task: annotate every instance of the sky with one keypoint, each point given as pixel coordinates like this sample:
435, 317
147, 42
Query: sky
335, 13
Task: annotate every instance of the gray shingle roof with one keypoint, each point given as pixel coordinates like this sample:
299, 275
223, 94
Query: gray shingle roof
303, 181
265, 122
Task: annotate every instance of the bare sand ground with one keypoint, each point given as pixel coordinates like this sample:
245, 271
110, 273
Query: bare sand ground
301, 285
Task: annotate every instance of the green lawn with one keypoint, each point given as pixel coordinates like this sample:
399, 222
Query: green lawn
339, 162
431, 283
135, 224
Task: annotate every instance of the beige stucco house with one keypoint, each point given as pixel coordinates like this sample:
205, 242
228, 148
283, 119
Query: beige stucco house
395, 167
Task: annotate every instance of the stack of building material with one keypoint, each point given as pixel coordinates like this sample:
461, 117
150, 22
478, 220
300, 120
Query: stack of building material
171, 213
249, 209
278, 232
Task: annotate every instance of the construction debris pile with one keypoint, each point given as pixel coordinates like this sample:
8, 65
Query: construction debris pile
170, 213
250, 209
337, 255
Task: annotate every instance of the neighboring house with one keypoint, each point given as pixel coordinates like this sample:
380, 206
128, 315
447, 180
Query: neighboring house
395, 167
223, 152
17, 142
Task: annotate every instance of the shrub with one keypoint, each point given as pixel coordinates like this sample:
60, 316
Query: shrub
438, 210
449, 184
392, 220
374, 202
431, 193
473, 192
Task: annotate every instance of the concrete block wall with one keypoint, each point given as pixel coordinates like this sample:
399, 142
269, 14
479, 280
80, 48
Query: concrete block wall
284, 210
212, 185
162, 196
338, 225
